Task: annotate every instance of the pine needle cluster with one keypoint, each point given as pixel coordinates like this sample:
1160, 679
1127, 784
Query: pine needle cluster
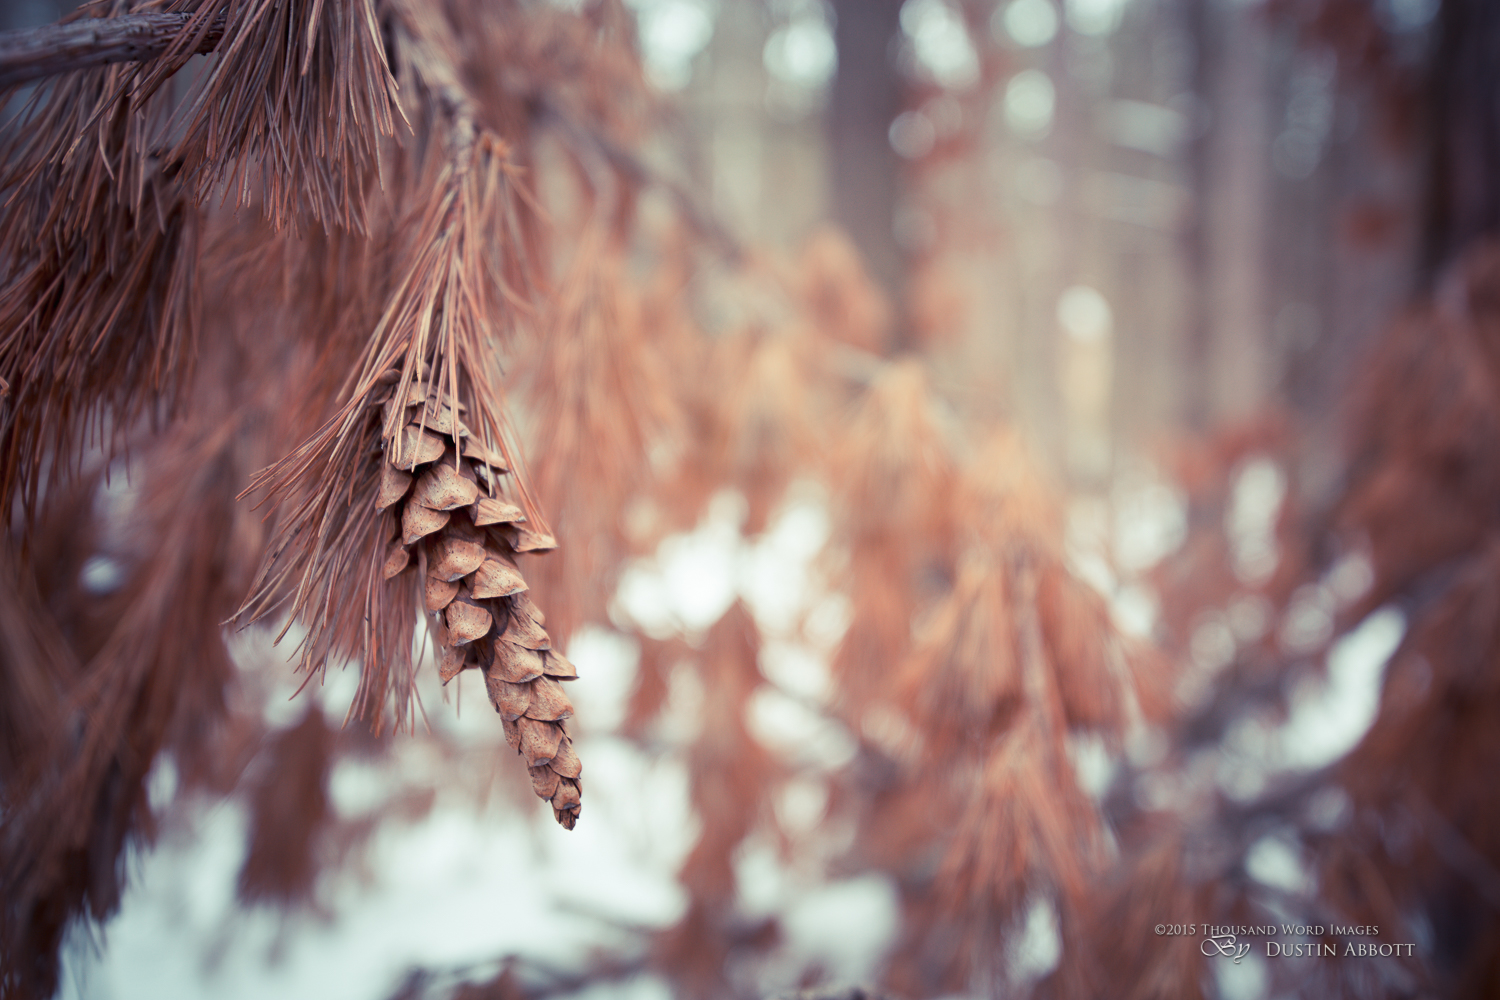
294, 237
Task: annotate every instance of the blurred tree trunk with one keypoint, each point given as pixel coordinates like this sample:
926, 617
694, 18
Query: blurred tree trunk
1463, 194
1195, 26
1233, 194
863, 171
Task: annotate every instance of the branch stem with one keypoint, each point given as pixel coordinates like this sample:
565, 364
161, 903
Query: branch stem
28, 54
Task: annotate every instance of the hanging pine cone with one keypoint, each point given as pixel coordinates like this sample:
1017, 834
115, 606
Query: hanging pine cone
440, 485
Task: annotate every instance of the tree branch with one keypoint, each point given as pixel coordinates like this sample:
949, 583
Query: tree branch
28, 54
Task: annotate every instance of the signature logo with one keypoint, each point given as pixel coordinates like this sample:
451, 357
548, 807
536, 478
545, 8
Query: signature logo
1225, 946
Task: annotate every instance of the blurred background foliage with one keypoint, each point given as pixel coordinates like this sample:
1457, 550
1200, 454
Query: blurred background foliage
1024, 473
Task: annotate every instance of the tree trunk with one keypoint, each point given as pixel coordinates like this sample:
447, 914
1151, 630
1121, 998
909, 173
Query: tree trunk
864, 174
1463, 194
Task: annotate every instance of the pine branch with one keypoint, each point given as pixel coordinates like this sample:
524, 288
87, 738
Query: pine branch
28, 54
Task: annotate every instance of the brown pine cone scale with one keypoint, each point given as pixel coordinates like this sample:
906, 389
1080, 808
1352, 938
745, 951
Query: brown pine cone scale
417, 447
418, 521
544, 781
526, 633
517, 664
548, 702
442, 487
496, 578
396, 558
393, 485
487, 511
466, 620
453, 558
559, 667
510, 700
437, 594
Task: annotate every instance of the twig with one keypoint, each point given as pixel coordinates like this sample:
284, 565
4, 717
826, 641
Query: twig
28, 54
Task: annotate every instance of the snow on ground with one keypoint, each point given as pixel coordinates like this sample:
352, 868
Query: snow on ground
467, 884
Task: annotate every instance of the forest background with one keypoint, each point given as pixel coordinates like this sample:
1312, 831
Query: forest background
1021, 475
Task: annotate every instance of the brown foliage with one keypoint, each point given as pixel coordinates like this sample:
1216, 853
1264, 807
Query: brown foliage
1393, 834
289, 809
352, 337
731, 776
151, 669
601, 400
141, 312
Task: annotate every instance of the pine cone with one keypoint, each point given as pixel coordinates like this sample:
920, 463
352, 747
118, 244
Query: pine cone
440, 486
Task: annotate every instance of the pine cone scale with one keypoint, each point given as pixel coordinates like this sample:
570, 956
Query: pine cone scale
438, 594
419, 522
559, 667
466, 620
496, 578
488, 511
453, 558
